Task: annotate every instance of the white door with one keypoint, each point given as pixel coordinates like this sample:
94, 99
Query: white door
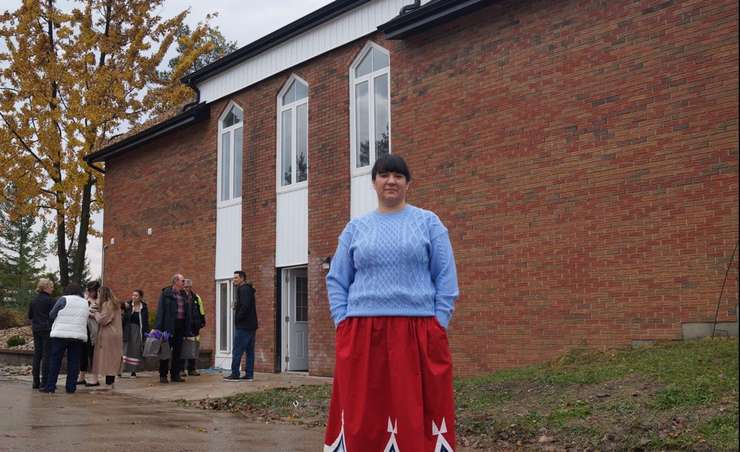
295, 305
224, 323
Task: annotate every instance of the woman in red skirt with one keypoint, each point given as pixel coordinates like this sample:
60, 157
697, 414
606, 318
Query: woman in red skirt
392, 288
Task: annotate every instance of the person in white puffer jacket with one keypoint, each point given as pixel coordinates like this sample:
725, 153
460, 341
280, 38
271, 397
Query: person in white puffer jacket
68, 333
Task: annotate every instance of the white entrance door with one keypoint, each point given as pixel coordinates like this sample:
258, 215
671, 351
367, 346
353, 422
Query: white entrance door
295, 305
224, 323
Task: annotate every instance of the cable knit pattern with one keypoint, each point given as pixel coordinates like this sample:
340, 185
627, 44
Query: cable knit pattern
393, 264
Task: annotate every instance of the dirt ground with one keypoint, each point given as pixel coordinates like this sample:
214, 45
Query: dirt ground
101, 421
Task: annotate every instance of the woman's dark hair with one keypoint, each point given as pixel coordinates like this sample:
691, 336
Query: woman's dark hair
140, 292
72, 289
391, 164
93, 285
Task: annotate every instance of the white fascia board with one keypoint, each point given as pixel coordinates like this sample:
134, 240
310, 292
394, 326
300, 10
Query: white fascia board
335, 33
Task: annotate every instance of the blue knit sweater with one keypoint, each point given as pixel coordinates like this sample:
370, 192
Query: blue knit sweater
393, 264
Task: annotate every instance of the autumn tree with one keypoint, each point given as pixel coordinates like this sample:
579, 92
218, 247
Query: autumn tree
220, 47
69, 80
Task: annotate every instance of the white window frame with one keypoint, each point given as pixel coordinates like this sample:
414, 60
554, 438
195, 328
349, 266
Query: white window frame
353, 82
221, 130
293, 106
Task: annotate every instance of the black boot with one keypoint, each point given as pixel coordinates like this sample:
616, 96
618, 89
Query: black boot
163, 380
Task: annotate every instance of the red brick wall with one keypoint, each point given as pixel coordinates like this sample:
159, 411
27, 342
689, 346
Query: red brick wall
167, 185
583, 155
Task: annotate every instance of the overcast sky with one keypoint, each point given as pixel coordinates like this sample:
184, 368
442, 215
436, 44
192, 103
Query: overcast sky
242, 21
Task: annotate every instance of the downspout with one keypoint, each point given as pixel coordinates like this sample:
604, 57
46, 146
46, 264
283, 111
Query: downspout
409, 8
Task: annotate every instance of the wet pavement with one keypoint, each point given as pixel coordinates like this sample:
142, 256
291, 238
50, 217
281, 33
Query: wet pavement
114, 420
210, 384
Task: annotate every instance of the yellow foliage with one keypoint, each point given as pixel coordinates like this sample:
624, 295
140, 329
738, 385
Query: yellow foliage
68, 82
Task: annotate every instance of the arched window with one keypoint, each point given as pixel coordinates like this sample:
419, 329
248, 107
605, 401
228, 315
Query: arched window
293, 133
230, 144
369, 106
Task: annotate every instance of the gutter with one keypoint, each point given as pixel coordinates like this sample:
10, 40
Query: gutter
428, 15
192, 115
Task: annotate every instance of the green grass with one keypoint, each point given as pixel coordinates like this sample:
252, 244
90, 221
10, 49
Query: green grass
721, 431
679, 396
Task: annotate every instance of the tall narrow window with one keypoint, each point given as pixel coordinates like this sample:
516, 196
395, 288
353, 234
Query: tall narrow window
370, 105
293, 133
231, 141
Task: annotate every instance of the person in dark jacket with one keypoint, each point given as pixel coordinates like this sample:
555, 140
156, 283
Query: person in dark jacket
245, 328
135, 328
198, 321
173, 317
38, 313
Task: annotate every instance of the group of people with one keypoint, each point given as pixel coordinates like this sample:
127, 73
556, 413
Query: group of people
180, 314
392, 287
104, 336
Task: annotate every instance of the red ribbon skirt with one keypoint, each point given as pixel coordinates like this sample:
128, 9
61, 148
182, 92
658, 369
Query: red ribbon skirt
392, 387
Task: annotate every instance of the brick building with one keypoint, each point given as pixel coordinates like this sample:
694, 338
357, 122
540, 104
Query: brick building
583, 154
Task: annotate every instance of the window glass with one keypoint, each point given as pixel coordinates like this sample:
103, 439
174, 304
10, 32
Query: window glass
233, 117
380, 60
301, 299
289, 96
229, 119
225, 165
363, 125
237, 112
286, 170
366, 65
301, 90
238, 142
223, 306
301, 143
381, 115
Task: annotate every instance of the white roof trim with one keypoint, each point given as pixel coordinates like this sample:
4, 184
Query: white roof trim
335, 33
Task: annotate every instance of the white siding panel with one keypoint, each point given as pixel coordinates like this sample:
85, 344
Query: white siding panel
291, 241
362, 198
346, 28
228, 241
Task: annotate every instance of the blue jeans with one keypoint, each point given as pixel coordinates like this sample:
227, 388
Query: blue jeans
243, 343
74, 350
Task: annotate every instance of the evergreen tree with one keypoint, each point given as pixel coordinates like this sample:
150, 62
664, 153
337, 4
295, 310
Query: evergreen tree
22, 251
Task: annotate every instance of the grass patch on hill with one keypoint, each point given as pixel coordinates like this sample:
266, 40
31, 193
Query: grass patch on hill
672, 396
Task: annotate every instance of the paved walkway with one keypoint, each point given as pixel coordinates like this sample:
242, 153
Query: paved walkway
93, 421
140, 414
209, 384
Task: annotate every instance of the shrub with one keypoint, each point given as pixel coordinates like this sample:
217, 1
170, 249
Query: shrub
15, 341
10, 318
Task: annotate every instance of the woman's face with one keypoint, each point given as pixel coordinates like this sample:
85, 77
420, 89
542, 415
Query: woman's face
135, 296
391, 188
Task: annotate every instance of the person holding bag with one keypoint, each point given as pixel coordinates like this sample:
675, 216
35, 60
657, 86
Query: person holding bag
173, 318
135, 328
